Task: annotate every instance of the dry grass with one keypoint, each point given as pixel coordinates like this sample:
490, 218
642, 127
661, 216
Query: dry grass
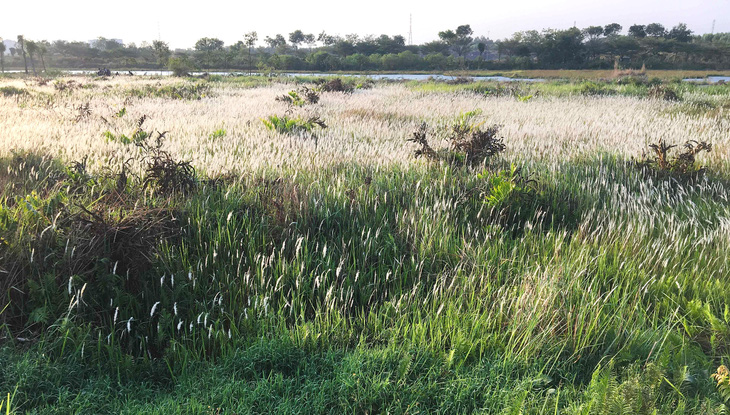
547, 128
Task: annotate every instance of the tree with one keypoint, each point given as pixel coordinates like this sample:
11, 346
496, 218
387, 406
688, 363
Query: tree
21, 46
680, 33
612, 29
276, 42
296, 38
460, 40
637, 31
310, 40
42, 50
31, 47
2, 55
249, 39
655, 30
162, 51
326, 39
593, 32
209, 45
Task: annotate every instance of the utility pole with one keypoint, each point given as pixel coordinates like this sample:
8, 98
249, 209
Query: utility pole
410, 29
713, 27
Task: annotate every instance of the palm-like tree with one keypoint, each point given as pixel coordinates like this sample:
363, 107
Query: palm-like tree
21, 46
32, 48
42, 50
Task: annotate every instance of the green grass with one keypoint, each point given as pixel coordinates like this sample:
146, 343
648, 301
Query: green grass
600, 289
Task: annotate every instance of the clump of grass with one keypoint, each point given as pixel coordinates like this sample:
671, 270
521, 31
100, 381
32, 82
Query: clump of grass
12, 91
683, 164
186, 91
219, 133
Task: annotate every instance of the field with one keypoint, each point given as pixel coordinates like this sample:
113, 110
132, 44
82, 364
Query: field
236, 245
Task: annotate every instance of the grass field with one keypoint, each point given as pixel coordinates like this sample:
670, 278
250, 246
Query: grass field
164, 250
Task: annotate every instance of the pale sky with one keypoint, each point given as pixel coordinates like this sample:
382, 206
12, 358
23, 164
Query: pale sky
181, 23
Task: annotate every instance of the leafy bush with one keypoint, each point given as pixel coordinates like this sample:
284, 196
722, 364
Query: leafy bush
180, 66
594, 89
299, 97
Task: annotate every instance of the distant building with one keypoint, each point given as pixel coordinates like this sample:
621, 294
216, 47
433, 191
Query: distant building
9, 44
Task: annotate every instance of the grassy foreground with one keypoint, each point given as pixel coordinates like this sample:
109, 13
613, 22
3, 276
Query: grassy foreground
579, 284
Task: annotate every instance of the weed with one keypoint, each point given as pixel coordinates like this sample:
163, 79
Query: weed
219, 133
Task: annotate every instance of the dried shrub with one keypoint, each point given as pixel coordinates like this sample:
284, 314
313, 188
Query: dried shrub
61, 85
83, 112
477, 144
470, 144
335, 85
663, 93
659, 160
425, 150
461, 80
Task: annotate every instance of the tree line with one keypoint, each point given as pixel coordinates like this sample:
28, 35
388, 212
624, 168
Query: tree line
595, 47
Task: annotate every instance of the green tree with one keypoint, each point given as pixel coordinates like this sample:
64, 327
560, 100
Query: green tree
593, 32
249, 39
655, 30
32, 48
21, 46
296, 38
208, 46
42, 51
460, 40
162, 51
680, 33
637, 31
612, 29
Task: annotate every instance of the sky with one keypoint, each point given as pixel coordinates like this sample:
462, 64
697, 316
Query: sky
181, 23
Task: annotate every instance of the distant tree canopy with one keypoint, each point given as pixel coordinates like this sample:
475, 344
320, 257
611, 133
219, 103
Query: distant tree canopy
650, 44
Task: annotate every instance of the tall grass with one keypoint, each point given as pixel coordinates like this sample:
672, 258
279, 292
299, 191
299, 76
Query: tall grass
337, 278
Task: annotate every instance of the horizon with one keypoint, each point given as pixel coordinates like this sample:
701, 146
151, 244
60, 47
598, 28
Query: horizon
181, 28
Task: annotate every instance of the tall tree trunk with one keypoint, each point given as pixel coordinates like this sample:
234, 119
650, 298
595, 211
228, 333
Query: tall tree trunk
44, 64
32, 64
24, 60
2, 61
